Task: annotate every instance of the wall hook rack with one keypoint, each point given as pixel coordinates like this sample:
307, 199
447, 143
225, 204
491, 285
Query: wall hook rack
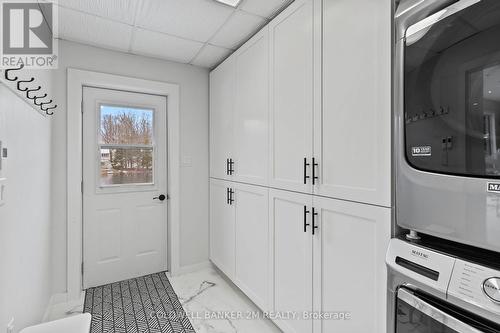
7, 71
24, 81
29, 91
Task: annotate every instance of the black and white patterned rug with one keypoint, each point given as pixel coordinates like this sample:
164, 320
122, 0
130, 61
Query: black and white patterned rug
143, 305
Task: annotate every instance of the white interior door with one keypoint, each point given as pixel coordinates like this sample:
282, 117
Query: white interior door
124, 185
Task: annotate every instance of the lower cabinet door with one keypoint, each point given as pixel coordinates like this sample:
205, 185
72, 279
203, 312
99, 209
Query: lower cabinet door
253, 243
350, 275
221, 227
290, 213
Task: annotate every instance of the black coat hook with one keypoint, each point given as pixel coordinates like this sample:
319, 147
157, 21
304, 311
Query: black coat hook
39, 97
30, 90
49, 108
24, 81
7, 71
43, 103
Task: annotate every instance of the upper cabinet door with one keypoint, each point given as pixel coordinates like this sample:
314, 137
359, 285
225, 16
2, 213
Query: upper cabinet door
292, 97
353, 130
251, 111
222, 90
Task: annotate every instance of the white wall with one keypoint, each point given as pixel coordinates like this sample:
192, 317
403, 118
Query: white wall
193, 83
25, 226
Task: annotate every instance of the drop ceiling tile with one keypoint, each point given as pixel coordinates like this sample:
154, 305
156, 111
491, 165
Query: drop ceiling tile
192, 19
264, 8
239, 27
119, 10
159, 45
84, 28
210, 56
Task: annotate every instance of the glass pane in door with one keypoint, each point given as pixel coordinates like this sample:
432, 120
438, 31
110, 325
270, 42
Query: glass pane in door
120, 166
126, 145
125, 125
452, 93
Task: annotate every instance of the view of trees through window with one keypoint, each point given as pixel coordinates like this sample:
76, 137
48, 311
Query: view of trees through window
126, 146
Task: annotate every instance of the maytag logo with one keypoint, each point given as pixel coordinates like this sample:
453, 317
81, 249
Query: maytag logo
494, 187
420, 254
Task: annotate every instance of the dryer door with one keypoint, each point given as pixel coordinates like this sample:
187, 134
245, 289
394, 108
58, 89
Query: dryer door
421, 313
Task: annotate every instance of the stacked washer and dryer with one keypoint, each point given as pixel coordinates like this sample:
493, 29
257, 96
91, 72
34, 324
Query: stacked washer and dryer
444, 273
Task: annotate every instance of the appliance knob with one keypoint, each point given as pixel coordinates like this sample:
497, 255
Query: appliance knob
491, 288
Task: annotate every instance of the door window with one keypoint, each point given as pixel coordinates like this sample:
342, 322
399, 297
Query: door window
126, 145
452, 92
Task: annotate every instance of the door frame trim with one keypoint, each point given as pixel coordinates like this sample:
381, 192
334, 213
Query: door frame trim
77, 79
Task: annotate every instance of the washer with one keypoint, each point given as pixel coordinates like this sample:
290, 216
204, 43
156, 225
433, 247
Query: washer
432, 291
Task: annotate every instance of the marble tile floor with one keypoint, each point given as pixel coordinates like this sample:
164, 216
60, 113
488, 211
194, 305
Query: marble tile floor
213, 305
206, 293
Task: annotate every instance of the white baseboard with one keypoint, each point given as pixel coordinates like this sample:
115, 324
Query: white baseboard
193, 268
53, 301
60, 304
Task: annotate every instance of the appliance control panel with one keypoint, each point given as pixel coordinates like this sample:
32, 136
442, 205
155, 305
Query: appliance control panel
477, 285
423, 265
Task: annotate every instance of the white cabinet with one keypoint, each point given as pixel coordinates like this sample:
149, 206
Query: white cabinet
353, 129
337, 267
240, 237
290, 214
221, 227
292, 97
251, 110
222, 90
314, 84
253, 243
350, 273
239, 114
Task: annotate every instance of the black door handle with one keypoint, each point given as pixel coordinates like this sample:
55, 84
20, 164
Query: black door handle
305, 170
314, 226
227, 196
231, 200
227, 166
161, 197
305, 218
231, 166
314, 165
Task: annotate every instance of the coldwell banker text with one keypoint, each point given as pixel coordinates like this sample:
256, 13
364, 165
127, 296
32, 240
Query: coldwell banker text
28, 34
